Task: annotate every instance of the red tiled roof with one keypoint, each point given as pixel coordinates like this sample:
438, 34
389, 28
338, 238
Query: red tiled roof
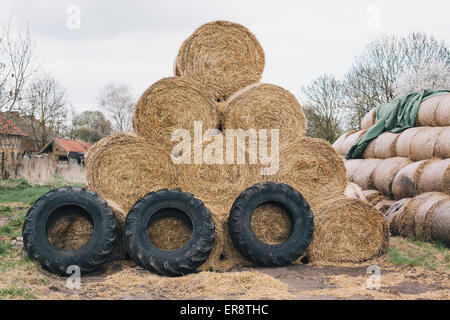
8, 127
73, 146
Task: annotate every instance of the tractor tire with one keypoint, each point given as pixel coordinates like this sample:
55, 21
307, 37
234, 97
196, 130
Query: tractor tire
162, 204
57, 203
248, 244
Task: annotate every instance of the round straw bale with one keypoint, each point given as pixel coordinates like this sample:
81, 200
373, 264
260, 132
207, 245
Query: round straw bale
443, 112
350, 167
124, 167
364, 172
351, 140
440, 229
223, 56
423, 144
354, 191
70, 232
427, 112
384, 205
442, 147
374, 196
265, 106
406, 220
435, 177
171, 104
395, 211
422, 223
403, 145
385, 145
347, 230
369, 119
385, 173
369, 152
271, 224
338, 144
312, 167
406, 182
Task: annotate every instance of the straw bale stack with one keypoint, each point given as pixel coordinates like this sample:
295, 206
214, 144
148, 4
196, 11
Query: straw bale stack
349, 230
406, 182
423, 144
385, 173
369, 119
223, 57
170, 104
265, 106
124, 167
435, 177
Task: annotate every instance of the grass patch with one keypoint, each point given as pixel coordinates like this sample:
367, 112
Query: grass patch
13, 228
5, 209
19, 190
416, 253
4, 247
16, 292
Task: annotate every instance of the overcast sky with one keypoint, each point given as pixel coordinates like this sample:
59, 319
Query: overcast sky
135, 42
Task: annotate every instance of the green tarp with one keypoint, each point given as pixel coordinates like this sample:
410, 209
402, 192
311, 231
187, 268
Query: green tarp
395, 116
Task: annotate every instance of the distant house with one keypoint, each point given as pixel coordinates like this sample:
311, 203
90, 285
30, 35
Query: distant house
66, 152
14, 143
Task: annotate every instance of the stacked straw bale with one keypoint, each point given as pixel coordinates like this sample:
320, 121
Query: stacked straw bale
124, 167
406, 182
434, 112
347, 230
351, 140
170, 104
217, 74
339, 143
423, 144
350, 166
265, 106
395, 211
385, 173
364, 173
403, 145
374, 196
416, 171
369, 119
354, 191
223, 57
424, 217
435, 177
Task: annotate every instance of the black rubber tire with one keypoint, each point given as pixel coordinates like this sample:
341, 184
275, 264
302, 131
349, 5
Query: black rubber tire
169, 203
58, 202
248, 244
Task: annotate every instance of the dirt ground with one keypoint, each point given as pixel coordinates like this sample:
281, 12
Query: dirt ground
124, 281
426, 275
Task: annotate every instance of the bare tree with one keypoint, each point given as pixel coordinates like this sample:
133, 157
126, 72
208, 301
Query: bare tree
373, 76
16, 64
117, 101
90, 126
45, 109
324, 107
433, 75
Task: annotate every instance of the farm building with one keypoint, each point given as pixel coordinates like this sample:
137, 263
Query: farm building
14, 143
66, 152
